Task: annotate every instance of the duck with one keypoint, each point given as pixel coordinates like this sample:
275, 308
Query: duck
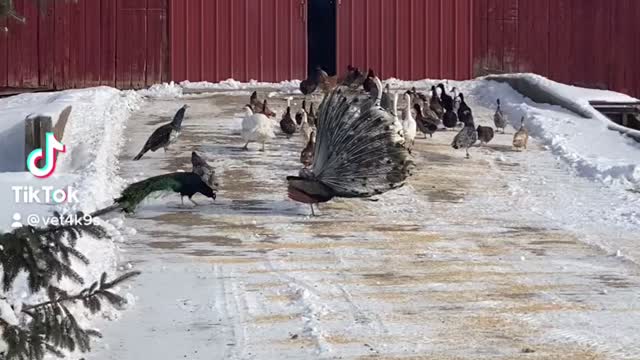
450, 119
256, 127
306, 156
485, 134
409, 124
456, 100
369, 83
499, 120
287, 124
425, 125
445, 99
386, 102
435, 105
302, 110
521, 137
463, 107
416, 96
306, 129
467, 137
165, 135
311, 116
259, 106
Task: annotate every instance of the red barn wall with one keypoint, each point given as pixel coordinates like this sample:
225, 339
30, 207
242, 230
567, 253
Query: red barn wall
215, 40
119, 43
589, 43
407, 39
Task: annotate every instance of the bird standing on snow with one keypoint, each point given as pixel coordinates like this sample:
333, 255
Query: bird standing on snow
306, 156
358, 151
467, 137
306, 129
485, 134
287, 124
408, 124
386, 102
425, 124
463, 108
165, 135
186, 184
521, 137
300, 112
256, 128
499, 120
435, 105
206, 172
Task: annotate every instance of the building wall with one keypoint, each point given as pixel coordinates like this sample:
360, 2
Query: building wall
134, 43
69, 44
590, 43
407, 39
216, 40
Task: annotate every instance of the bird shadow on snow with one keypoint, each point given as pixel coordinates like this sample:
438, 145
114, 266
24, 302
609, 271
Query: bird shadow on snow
226, 207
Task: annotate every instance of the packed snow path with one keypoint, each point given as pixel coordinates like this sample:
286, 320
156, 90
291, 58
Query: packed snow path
489, 258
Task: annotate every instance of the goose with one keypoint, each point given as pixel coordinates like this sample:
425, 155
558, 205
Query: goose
256, 128
499, 120
409, 124
521, 137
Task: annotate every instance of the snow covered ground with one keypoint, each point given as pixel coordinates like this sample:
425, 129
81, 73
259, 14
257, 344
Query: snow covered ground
93, 136
508, 255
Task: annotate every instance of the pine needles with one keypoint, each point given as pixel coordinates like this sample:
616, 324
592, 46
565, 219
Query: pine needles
45, 255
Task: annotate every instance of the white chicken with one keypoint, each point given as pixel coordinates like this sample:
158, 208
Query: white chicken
256, 128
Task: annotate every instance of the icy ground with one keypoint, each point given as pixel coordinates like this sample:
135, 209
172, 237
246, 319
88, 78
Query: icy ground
506, 255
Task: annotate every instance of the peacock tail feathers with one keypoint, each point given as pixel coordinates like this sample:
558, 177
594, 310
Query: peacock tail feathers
359, 148
135, 193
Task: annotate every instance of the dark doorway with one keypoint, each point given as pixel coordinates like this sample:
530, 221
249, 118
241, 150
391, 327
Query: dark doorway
321, 35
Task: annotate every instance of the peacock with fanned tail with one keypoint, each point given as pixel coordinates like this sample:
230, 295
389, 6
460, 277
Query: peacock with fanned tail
359, 150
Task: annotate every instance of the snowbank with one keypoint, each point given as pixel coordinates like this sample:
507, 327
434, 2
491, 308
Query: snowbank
93, 136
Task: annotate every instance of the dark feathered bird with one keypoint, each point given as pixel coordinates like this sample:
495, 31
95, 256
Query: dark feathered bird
467, 137
311, 116
206, 172
287, 124
183, 183
425, 125
435, 105
417, 97
499, 119
463, 107
450, 119
358, 153
165, 135
301, 112
445, 99
386, 102
354, 77
309, 85
485, 134
369, 83
306, 156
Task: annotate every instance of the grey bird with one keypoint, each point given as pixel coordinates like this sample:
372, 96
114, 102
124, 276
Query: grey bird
386, 102
467, 137
206, 172
165, 135
485, 134
499, 120
358, 151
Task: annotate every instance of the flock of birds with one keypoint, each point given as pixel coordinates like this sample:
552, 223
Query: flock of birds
356, 145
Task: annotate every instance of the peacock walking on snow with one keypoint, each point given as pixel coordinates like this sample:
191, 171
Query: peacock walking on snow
165, 135
184, 183
359, 150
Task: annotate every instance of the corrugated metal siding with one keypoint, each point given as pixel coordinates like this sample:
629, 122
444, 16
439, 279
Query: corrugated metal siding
584, 42
92, 42
407, 39
215, 40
